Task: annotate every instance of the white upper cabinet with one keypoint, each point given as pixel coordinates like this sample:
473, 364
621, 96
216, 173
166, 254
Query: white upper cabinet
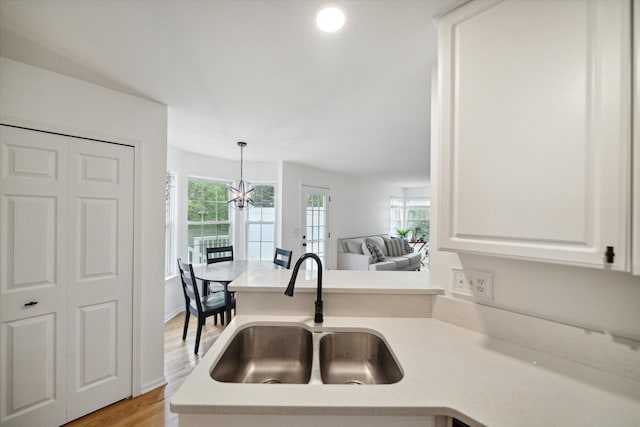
534, 119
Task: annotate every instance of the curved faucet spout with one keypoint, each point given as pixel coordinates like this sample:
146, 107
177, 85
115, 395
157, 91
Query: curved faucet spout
318, 318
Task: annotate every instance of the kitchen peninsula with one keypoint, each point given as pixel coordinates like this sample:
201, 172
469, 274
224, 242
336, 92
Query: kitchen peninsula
449, 371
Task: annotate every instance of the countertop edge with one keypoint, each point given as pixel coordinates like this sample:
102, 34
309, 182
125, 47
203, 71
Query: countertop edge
316, 410
342, 290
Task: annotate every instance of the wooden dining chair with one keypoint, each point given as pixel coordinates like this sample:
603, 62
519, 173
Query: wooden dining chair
282, 258
220, 254
209, 305
213, 255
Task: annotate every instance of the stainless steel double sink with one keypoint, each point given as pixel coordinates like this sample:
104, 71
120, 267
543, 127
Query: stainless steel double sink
293, 354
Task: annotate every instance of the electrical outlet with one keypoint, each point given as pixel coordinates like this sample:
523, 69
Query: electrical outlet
477, 284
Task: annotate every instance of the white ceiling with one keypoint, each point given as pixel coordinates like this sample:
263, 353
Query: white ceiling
354, 102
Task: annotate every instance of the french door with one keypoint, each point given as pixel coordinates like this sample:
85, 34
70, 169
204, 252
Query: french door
66, 285
315, 223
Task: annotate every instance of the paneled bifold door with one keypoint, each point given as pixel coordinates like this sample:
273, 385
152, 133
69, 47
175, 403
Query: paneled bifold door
66, 250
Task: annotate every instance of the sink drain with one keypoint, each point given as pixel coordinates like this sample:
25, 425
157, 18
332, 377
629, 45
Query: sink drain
272, 381
354, 382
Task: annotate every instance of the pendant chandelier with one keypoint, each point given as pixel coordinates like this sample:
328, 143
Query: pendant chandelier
240, 191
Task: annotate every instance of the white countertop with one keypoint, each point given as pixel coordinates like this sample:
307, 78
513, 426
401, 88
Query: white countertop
337, 281
448, 370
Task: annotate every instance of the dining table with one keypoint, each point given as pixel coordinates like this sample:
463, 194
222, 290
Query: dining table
219, 274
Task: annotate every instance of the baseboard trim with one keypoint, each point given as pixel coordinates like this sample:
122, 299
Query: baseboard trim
173, 314
151, 385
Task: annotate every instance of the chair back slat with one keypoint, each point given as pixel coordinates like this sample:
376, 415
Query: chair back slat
189, 285
189, 288
282, 258
219, 254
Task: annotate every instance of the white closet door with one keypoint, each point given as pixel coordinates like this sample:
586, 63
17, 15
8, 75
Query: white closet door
100, 275
66, 281
33, 277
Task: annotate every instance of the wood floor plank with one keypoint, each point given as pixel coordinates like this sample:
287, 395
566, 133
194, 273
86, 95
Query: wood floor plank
152, 409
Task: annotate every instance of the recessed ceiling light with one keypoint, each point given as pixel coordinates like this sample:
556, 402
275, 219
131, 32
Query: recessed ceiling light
330, 18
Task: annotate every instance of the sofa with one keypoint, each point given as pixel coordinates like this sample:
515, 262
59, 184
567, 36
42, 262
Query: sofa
363, 253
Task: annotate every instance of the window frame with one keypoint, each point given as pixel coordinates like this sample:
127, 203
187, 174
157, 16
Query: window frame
407, 204
400, 205
422, 203
230, 223
248, 222
170, 224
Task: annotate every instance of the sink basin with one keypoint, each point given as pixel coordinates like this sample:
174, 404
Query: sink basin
357, 358
284, 354
267, 354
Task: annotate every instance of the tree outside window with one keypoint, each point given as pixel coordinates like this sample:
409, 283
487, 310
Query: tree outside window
208, 219
418, 218
414, 215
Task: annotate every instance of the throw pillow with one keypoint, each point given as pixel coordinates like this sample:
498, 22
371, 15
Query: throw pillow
354, 247
395, 247
379, 242
367, 249
379, 255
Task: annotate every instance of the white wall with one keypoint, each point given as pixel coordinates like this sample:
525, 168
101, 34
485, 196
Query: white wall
358, 207
44, 100
417, 192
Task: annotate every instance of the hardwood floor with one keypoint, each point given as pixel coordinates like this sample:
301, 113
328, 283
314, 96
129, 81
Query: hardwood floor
152, 408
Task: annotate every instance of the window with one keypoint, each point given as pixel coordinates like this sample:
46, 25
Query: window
411, 214
418, 216
397, 215
170, 215
261, 223
208, 218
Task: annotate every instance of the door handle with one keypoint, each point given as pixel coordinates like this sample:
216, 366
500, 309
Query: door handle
30, 303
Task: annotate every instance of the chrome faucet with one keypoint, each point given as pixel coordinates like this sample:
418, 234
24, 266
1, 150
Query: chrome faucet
289, 292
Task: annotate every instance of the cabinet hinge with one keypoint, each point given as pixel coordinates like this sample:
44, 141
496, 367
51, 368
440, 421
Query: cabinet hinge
609, 254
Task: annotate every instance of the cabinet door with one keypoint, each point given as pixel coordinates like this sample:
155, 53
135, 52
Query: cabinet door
534, 127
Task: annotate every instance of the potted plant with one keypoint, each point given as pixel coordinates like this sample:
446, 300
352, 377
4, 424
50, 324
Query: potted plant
402, 233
